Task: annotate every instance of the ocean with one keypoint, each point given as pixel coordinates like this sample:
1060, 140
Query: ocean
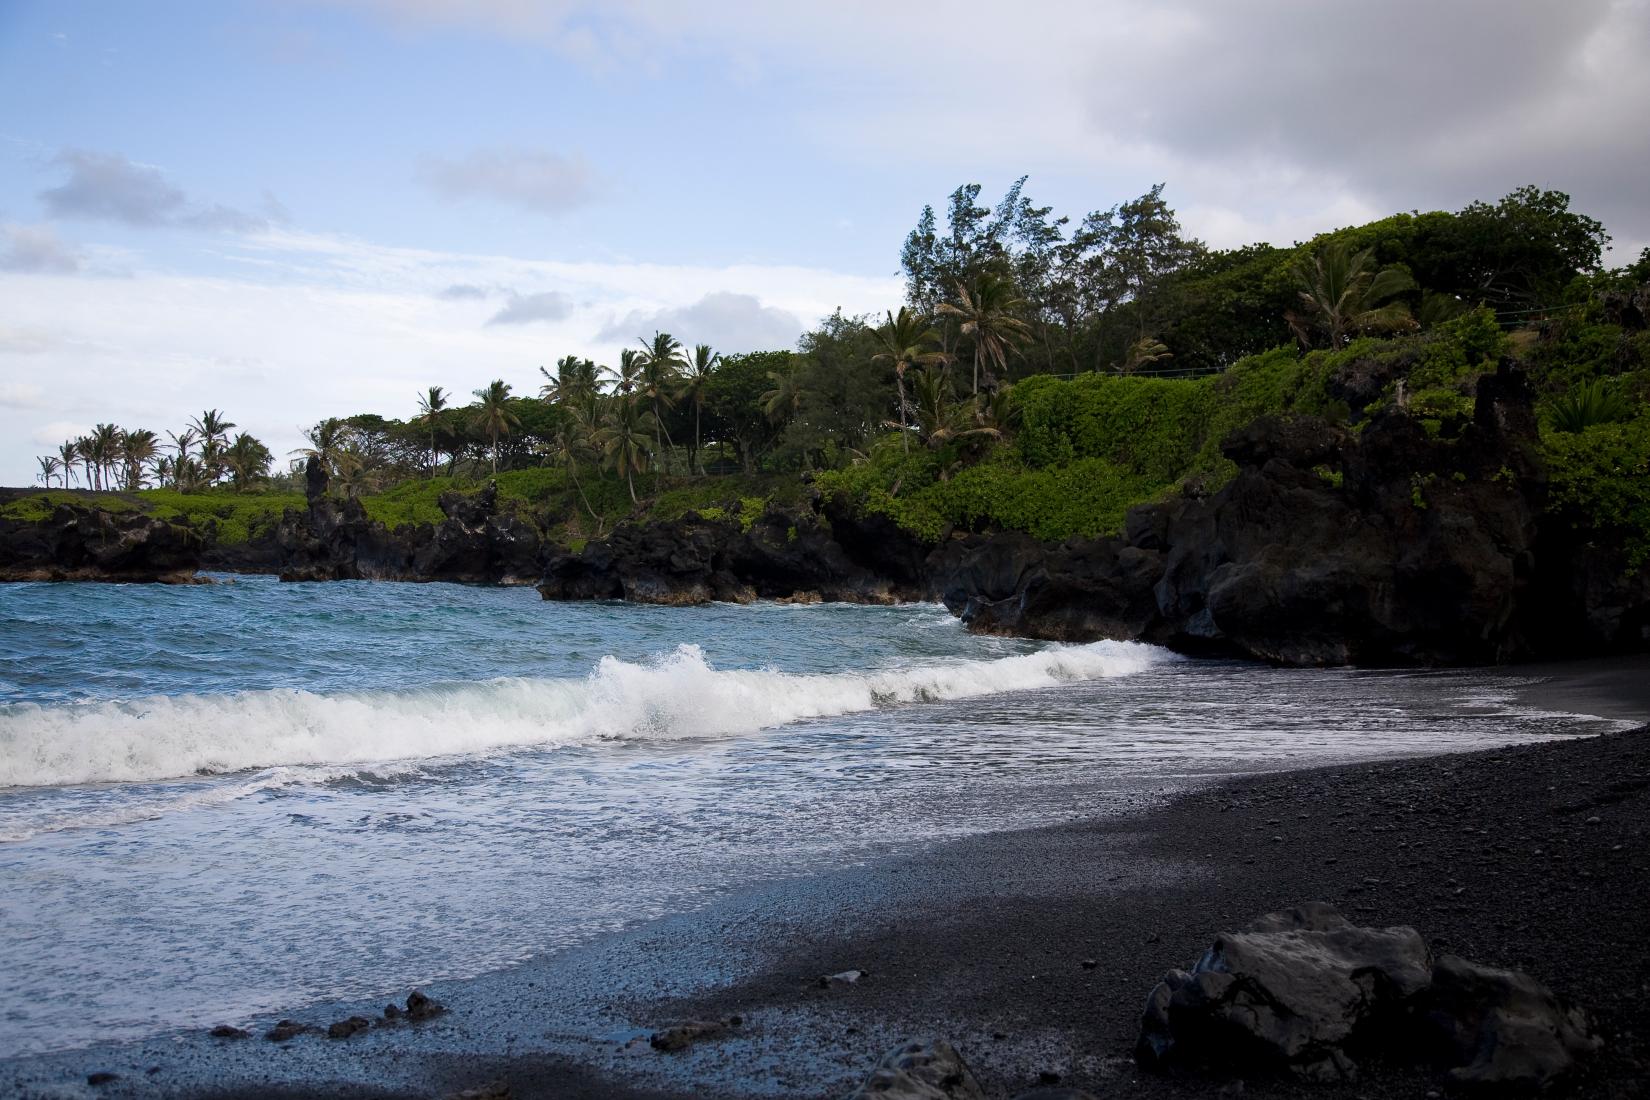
224, 800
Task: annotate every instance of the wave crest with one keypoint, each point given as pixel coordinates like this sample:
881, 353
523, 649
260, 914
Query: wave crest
677, 696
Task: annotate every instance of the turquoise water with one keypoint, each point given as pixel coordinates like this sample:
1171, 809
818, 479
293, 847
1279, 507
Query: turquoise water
224, 800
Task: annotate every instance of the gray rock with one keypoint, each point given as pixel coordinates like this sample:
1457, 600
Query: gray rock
846, 977
1289, 994
1058, 1092
343, 1029
286, 1029
920, 1071
1502, 1028
421, 1007
679, 1037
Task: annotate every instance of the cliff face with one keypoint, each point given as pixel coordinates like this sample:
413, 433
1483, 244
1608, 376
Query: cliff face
1382, 547
474, 544
88, 543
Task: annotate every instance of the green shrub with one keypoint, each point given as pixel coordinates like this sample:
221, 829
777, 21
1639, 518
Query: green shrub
234, 518
1600, 476
1587, 405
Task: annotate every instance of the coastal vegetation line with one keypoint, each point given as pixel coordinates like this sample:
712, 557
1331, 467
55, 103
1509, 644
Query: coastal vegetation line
1041, 376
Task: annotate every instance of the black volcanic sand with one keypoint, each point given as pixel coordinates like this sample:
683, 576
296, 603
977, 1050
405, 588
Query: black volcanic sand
1536, 857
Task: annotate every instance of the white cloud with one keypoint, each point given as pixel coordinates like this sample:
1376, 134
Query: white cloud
50, 436
535, 180
728, 322
36, 248
110, 187
20, 395
523, 309
325, 326
1382, 106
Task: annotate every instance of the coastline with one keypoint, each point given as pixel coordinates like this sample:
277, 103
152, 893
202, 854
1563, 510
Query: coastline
981, 941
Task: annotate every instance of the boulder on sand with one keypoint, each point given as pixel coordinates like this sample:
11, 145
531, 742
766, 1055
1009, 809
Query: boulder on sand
1305, 992
1292, 993
920, 1071
1500, 1028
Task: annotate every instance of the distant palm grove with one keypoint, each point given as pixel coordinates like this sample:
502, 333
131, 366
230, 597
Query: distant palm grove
1041, 374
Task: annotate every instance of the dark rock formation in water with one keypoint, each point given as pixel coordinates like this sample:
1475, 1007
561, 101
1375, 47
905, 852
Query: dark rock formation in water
1385, 545
87, 543
1333, 547
783, 555
1309, 994
336, 540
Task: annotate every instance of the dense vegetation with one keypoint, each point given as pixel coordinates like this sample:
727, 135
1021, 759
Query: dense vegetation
1042, 375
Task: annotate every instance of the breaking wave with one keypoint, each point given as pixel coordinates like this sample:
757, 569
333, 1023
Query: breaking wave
676, 696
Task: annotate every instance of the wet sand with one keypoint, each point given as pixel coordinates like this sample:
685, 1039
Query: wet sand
1536, 857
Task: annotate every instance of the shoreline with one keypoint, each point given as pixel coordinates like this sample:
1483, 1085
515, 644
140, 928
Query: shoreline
981, 940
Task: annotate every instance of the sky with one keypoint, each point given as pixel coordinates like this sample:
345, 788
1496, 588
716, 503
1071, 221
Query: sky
308, 208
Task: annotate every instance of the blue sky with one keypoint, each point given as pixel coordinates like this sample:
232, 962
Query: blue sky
292, 210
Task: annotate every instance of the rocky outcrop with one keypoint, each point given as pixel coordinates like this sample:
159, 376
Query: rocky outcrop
1384, 546
88, 543
783, 555
476, 543
1308, 994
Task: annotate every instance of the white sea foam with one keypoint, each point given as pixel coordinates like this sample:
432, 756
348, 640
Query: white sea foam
677, 696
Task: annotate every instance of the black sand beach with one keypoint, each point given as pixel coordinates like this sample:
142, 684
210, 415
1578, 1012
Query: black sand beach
1031, 951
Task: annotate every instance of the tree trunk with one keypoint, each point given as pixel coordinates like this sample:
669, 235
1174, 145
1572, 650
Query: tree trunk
698, 407
904, 432
574, 470
632, 486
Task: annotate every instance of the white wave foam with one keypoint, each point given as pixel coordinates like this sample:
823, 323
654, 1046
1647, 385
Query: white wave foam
31, 821
680, 695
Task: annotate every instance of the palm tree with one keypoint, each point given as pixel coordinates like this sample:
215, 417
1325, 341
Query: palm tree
494, 416
695, 378
140, 447
181, 442
248, 461
570, 444
86, 450
107, 454
187, 474
214, 434
326, 440
430, 405
784, 401
67, 455
1144, 351
1341, 293
987, 312
49, 467
904, 340
623, 439
629, 375
354, 471
573, 383
940, 420
661, 362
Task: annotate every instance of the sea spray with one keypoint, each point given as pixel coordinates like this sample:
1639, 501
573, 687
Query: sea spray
679, 695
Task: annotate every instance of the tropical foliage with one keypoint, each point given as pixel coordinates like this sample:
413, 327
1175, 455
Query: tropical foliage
1044, 373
